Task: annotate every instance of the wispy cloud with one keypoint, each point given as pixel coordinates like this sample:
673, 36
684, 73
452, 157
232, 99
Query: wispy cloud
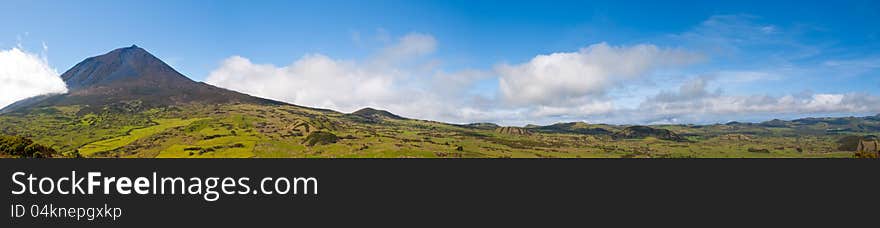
743, 39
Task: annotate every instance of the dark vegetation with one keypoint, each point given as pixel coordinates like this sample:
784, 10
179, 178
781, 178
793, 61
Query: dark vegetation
199, 150
849, 143
483, 126
21, 147
641, 132
571, 128
320, 138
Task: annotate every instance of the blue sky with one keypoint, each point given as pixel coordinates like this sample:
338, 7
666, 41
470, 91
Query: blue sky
481, 60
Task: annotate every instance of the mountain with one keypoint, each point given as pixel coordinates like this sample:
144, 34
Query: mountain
133, 77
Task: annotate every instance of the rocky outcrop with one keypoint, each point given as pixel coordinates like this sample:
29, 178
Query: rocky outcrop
869, 147
303, 127
735, 137
849, 143
513, 131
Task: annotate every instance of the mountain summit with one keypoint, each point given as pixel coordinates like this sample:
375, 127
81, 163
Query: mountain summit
132, 65
128, 75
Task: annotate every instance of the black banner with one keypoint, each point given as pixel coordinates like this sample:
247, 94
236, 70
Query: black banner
492, 192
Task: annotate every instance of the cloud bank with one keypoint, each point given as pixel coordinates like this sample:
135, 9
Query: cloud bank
729, 67
694, 101
24, 75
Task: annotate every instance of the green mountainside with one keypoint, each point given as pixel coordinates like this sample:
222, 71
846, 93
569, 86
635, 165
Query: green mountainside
128, 103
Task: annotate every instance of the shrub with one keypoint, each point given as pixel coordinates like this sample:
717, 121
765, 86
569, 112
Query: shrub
22, 147
320, 138
848, 143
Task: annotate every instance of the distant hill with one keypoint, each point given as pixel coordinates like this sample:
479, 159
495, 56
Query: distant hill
641, 132
374, 115
775, 123
134, 77
572, 127
485, 126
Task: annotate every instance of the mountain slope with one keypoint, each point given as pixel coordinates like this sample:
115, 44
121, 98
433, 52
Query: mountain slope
132, 75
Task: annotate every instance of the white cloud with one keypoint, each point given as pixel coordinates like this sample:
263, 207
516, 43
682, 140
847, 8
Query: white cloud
313, 80
569, 77
592, 107
572, 85
24, 75
388, 81
693, 101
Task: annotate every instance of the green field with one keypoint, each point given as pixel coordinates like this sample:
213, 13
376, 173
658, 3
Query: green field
134, 134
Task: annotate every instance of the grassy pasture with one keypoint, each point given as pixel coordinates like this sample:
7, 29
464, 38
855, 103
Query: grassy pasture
134, 134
